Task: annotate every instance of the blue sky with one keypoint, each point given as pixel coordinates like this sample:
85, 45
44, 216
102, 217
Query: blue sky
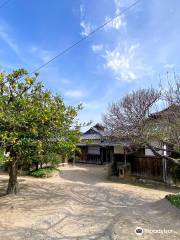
127, 54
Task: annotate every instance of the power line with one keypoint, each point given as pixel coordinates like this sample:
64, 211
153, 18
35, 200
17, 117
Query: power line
5, 3
84, 38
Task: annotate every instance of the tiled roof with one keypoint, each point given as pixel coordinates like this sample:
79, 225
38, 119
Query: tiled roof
91, 136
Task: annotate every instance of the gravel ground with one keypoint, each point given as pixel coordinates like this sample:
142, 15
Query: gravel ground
81, 204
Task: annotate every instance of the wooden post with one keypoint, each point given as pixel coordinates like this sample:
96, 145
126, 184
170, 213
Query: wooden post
164, 170
111, 156
101, 155
111, 163
124, 155
74, 158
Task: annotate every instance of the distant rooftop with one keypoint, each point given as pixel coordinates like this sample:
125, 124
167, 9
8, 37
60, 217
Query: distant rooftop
96, 132
167, 111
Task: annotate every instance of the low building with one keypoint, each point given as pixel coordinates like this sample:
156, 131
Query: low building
143, 162
94, 146
127, 160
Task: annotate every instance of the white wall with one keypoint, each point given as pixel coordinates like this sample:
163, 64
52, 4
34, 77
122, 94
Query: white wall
148, 151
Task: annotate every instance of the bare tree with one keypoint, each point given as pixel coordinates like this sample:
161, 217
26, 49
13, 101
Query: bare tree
172, 93
171, 96
128, 117
132, 118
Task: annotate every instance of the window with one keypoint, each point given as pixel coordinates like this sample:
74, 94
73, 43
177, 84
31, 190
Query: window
94, 150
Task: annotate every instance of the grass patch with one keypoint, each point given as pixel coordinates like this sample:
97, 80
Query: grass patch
174, 199
44, 172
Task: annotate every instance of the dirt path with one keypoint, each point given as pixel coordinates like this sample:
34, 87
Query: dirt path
81, 204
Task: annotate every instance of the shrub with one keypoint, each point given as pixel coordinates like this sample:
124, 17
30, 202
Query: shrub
174, 199
44, 172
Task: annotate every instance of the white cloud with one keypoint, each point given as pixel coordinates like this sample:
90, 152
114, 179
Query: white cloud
94, 105
116, 23
97, 47
42, 54
118, 3
74, 93
169, 65
87, 28
82, 10
9, 41
125, 63
65, 81
7, 38
119, 21
122, 3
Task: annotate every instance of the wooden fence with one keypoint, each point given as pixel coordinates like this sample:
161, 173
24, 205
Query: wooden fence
147, 167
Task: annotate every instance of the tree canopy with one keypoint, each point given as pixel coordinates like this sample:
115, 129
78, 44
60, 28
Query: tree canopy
33, 122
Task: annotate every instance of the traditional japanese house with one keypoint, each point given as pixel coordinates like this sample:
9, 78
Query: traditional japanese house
94, 146
127, 160
142, 161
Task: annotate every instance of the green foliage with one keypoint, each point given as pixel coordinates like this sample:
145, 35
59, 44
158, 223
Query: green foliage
1, 157
34, 123
44, 172
174, 199
51, 158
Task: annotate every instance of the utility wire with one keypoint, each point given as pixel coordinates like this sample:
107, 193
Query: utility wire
86, 37
4, 3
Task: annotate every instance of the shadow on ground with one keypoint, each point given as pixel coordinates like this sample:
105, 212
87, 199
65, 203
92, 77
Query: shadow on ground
80, 205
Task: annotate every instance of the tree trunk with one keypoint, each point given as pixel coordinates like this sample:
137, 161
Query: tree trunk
13, 183
156, 153
37, 165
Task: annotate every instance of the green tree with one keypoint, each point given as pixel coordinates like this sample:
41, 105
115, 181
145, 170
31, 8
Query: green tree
33, 122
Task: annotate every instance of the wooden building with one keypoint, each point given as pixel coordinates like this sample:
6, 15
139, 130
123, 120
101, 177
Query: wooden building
94, 146
143, 163
126, 160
